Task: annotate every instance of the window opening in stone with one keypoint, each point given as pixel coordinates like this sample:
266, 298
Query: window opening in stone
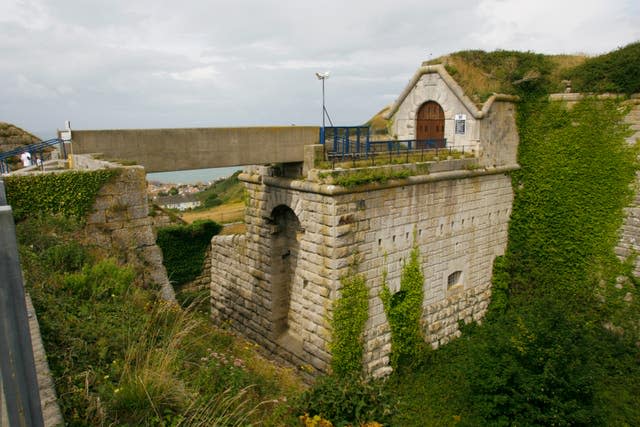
454, 279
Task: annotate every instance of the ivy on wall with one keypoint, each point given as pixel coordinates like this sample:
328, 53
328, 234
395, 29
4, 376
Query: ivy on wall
184, 248
350, 313
404, 313
569, 195
71, 193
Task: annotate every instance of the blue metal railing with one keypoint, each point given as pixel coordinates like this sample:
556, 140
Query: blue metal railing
36, 150
347, 142
345, 139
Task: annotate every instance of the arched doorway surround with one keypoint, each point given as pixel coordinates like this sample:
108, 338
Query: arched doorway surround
430, 126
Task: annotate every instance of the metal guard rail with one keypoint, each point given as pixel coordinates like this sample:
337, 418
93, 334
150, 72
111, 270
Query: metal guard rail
37, 148
399, 151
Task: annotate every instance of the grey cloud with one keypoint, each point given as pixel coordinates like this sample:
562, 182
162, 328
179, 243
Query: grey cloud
245, 62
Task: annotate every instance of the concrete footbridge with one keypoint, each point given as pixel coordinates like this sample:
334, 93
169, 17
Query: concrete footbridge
160, 150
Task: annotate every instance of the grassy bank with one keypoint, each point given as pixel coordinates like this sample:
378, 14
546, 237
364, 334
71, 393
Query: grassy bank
119, 356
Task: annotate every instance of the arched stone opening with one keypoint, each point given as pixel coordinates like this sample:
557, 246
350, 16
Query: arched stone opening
430, 126
285, 247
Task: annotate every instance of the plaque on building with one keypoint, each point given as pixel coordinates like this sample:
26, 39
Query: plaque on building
461, 120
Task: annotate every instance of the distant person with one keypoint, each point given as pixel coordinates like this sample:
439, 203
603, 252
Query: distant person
26, 159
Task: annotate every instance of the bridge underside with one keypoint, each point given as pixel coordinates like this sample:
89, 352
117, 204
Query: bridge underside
160, 150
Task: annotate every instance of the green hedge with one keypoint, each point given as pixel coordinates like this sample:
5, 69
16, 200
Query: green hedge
183, 248
71, 194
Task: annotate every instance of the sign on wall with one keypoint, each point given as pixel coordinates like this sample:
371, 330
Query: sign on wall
461, 121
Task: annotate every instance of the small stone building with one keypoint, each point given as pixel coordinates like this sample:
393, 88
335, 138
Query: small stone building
276, 284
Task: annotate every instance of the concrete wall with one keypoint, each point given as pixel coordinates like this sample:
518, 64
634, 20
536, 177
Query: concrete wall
179, 149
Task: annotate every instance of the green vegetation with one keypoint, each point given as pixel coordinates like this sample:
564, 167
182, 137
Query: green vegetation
119, 356
223, 191
615, 72
404, 313
543, 355
367, 176
70, 193
184, 247
12, 136
348, 400
350, 313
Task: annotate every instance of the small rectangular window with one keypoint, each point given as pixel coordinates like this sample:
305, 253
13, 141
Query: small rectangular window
454, 279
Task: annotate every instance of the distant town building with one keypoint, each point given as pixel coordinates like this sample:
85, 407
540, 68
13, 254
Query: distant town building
180, 202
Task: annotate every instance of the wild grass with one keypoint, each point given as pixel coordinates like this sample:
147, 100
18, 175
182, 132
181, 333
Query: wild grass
120, 356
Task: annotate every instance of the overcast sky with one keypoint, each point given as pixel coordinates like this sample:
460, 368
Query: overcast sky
156, 63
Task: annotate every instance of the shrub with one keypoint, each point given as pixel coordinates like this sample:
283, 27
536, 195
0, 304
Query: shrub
102, 280
615, 71
533, 368
66, 257
184, 247
348, 400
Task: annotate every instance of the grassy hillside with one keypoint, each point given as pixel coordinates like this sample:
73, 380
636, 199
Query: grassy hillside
482, 73
12, 136
615, 72
227, 190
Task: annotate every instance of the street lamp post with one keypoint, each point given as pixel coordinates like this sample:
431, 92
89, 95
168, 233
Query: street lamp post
323, 77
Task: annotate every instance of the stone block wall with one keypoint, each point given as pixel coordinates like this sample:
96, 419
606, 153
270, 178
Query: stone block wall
120, 218
458, 220
245, 271
433, 85
630, 232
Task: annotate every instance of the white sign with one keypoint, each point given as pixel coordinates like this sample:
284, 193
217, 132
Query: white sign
460, 120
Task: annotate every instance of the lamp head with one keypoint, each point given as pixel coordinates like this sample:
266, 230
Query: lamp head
322, 76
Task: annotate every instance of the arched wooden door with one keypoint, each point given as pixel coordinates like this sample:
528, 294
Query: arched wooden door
430, 126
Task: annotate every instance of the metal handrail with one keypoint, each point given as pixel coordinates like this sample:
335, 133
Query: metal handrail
406, 150
37, 148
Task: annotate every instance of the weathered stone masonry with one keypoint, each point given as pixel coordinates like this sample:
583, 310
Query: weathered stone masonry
459, 224
276, 284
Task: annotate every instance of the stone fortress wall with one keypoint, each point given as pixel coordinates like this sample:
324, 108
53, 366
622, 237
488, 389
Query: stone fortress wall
120, 218
277, 283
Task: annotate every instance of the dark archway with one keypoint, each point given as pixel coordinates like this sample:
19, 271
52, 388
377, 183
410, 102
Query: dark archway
430, 126
284, 258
